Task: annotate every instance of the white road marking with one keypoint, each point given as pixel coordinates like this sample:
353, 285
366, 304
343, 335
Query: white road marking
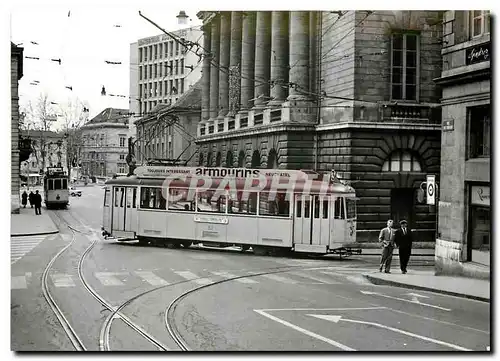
151, 278
336, 319
315, 278
229, 275
18, 282
20, 246
306, 332
279, 279
325, 309
192, 277
109, 278
62, 280
402, 299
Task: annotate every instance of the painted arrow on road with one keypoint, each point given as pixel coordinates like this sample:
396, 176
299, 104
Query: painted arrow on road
414, 300
415, 297
336, 319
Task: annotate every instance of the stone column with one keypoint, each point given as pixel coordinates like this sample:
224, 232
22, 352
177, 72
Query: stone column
205, 94
299, 54
262, 58
279, 57
235, 64
247, 59
313, 41
214, 70
225, 44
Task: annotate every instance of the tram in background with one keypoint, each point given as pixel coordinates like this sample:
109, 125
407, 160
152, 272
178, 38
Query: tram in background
55, 188
167, 205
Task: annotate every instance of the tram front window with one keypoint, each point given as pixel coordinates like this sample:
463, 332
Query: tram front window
57, 183
351, 208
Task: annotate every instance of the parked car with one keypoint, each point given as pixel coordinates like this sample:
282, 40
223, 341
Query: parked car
73, 192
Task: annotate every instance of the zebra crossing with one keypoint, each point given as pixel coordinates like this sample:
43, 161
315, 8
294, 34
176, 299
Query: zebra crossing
21, 246
163, 277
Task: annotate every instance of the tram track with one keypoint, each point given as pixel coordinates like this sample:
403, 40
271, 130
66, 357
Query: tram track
117, 312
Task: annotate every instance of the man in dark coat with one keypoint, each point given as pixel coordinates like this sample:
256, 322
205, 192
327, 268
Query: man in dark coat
38, 203
24, 198
404, 240
31, 198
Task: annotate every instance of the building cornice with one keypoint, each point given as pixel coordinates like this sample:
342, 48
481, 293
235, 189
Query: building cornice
378, 126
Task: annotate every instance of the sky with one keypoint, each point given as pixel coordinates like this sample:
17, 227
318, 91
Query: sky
84, 37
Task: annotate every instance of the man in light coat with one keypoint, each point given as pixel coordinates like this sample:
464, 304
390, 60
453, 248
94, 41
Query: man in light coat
386, 237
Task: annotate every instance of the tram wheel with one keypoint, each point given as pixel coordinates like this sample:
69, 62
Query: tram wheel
245, 248
142, 241
186, 244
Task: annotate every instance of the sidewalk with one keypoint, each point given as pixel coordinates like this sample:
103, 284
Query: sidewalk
26, 223
478, 289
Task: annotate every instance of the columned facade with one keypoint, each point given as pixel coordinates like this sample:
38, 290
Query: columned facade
247, 59
214, 67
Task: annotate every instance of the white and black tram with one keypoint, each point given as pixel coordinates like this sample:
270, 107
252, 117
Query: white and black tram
265, 209
55, 188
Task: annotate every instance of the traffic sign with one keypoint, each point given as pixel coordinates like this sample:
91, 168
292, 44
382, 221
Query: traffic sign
431, 189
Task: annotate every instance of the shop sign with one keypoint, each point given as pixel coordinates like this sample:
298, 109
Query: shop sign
477, 54
480, 195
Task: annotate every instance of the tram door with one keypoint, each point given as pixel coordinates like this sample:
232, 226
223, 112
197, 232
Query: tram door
119, 209
131, 209
311, 223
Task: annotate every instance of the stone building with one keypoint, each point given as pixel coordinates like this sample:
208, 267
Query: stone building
351, 91
464, 227
53, 145
16, 73
105, 144
169, 131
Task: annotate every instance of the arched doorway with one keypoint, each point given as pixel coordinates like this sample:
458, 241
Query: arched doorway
229, 159
255, 159
218, 159
241, 159
272, 159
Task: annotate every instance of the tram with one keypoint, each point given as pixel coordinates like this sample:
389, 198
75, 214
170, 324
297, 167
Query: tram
266, 209
55, 188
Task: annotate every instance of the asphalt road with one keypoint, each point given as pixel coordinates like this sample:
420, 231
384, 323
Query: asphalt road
276, 304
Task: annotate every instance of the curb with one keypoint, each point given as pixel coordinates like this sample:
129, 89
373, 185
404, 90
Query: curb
378, 281
33, 234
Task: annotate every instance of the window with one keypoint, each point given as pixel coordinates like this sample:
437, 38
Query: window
50, 184
182, 66
480, 22
152, 198
122, 156
145, 71
156, 70
121, 167
166, 50
182, 85
273, 204
326, 205
160, 50
150, 71
405, 67
177, 200
64, 183
171, 67
479, 131
57, 184
106, 198
176, 67
160, 90
122, 140
140, 72
238, 205
402, 161
339, 208
116, 196
206, 202
351, 207
160, 70
171, 48
176, 48
140, 54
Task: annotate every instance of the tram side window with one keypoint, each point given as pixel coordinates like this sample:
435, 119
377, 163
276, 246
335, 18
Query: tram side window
106, 198
316, 206
351, 208
134, 198
116, 196
122, 196
325, 208
339, 208
307, 208
177, 200
206, 202
51, 184
152, 198
273, 204
299, 209
239, 205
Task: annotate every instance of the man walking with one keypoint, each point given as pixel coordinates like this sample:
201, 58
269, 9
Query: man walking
386, 237
404, 240
38, 203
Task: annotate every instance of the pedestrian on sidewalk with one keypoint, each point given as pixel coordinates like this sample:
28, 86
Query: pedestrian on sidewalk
24, 199
31, 198
38, 203
404, 241
386, 237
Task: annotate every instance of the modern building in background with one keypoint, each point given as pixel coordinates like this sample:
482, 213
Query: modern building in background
169, 131
464, 230
16, 73
105, 144
54, 146
162, 70
351, 91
